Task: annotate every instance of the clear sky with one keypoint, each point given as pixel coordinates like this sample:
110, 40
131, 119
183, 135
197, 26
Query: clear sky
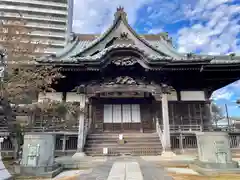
198, 26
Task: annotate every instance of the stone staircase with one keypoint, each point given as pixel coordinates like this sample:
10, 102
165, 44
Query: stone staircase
136, 144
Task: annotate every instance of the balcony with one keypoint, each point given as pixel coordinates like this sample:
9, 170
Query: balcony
28, 9
48, 36
37, 2
36, 19
47, 27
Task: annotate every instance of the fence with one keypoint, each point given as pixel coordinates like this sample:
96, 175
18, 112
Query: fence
66, 144
188, 143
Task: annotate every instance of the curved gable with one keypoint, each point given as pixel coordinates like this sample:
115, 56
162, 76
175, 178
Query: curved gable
120, 26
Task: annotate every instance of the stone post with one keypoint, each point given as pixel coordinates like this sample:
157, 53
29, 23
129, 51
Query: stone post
166, 128
38, 155
214, 154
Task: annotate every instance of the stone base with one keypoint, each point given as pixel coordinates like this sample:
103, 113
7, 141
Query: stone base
47, 172
230, 165
67, 162
214, 169
168, 154
78, 155
4, 174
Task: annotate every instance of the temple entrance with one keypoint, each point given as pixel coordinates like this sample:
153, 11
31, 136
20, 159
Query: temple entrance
123, 104
121, 117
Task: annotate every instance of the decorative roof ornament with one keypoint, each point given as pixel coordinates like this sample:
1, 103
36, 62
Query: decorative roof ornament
120, 13
120, 8
124, 35
72, 36
166, 89
190, 55
124, 39
166, 37
232, 55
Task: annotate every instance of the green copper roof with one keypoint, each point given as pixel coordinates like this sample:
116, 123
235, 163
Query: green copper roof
76, 50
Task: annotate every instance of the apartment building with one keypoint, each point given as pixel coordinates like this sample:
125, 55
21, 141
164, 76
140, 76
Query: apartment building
50, 19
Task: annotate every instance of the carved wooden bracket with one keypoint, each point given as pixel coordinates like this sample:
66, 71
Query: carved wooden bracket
124, 61
123, 80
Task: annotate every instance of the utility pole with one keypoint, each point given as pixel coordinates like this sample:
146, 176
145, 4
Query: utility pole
226, 108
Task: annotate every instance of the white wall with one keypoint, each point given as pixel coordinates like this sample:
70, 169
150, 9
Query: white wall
72, 97
172, 96
192, 96
55, 96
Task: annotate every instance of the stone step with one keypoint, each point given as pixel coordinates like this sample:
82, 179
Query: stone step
142, 151
99, 141
130, 135
133, 153
134, 144
126, 139
122, 146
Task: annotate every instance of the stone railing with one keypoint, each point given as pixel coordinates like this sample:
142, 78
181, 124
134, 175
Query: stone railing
85, 133
226, 128
159, 132
185, 128
87, 128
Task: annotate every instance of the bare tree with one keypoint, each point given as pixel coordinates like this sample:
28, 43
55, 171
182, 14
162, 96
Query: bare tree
24, 78
217, 114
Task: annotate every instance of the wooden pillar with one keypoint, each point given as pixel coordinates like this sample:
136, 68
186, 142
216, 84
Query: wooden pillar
81, 123
64, 139
166, 127
81, 127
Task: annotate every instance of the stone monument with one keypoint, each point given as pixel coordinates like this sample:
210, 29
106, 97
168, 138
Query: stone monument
4, 174
214, 154
38, 155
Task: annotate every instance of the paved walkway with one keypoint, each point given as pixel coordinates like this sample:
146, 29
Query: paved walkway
126, 168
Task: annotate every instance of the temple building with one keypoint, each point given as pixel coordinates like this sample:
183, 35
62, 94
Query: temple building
134, 83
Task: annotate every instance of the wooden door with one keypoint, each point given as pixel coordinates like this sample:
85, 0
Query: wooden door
148, 123
122, 117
